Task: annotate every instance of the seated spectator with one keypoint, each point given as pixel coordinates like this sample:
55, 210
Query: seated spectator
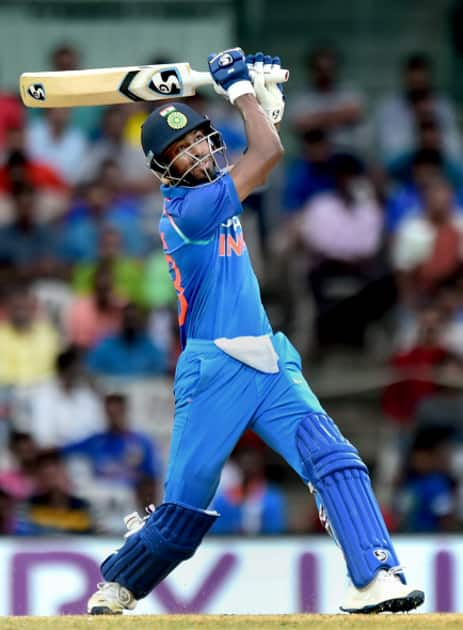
65, 409
126, 271
341, 232
18, 478
129, 353
414, 369
427, 249
427, 495
28, 343
430, 143
311, 173
63, 57
118, 454
250, 504
53, 509
53, 140
445, 407
99, 206
406, 199
92, 317
18, 167
397, 114
112, 145
328, 104
27, 248
11, 115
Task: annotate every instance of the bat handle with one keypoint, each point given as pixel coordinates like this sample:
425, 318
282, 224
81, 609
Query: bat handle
197, 79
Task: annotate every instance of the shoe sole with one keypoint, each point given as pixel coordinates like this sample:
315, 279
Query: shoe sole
103, 610
399, 604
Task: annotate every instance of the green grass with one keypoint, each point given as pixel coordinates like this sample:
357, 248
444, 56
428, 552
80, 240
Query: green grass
236, 622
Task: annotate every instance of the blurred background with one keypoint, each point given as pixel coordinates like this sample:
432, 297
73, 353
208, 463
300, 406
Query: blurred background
357, 241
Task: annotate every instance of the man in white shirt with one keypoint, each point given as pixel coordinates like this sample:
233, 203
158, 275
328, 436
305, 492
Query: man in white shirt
65, 409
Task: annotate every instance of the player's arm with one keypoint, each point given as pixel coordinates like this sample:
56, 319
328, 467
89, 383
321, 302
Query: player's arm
264, 147
231, 74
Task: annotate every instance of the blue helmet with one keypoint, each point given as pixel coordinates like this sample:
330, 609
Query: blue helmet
167, 124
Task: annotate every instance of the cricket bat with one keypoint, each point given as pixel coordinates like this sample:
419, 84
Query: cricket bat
107, 86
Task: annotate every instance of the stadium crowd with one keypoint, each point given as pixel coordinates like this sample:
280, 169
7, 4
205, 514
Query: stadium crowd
358, 242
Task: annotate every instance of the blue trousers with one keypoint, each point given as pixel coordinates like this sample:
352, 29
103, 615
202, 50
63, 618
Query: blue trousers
216, 399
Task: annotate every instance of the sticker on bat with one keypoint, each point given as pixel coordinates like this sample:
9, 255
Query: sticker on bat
166, 82
37, 91
139, 84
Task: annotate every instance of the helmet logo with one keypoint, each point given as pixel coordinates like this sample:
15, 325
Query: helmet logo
176, 120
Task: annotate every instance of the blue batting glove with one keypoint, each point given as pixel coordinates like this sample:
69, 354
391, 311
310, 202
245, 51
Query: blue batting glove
230, 72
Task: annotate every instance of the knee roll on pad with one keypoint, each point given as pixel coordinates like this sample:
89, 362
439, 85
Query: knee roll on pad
170, 535
341, 480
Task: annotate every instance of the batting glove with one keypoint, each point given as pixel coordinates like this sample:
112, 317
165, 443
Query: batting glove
230, 73
269, 94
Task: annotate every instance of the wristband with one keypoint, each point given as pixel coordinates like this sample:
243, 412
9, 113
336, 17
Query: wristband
238, 89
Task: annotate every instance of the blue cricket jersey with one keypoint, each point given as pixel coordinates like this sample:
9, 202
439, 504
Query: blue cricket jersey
217, 291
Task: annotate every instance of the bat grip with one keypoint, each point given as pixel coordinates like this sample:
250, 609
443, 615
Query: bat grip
204, 78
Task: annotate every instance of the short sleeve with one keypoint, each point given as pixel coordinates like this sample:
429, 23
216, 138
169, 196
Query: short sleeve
206, 207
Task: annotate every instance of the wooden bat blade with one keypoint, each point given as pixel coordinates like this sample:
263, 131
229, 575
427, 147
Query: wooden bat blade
108, 86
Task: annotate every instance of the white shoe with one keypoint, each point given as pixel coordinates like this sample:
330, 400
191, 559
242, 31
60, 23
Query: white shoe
110, 599
385, 593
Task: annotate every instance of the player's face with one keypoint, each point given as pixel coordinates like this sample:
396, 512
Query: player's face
192, 149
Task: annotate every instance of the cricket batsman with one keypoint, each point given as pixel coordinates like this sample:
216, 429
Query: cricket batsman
234, 372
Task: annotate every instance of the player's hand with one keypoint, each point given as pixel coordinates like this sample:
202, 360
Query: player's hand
230, 73
269, 94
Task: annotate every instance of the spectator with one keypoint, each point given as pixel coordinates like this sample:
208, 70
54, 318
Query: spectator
445, 407
112, 145
11, 115
90, 318
119, 455
397, 115
328, 104
341, 231
28, 344
406, 199
53, 509
311, 173
129, 353
427, 249
414, 369
53, 140
430, 143
250, 504
64, 57
426, 497
18, 479
127, 272
66, 409
18, 167
99, 206
27, 248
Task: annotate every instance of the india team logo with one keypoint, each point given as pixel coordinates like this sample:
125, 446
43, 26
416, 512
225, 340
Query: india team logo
177, 120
